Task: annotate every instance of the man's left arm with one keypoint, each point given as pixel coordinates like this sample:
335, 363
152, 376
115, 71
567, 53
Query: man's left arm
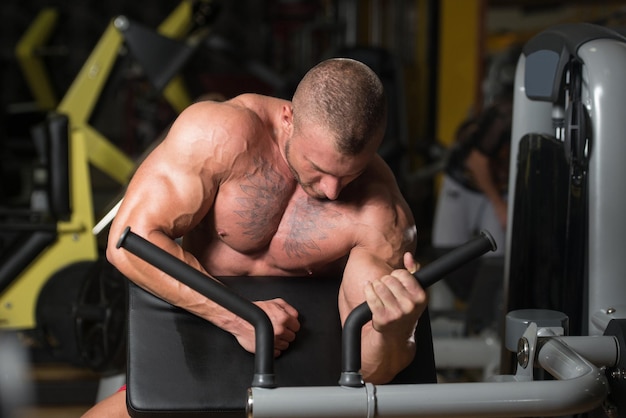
396, 300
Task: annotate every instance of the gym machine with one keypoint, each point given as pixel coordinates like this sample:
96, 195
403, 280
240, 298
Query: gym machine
564, 244
29, 52
187, 374
54, 281
564, 268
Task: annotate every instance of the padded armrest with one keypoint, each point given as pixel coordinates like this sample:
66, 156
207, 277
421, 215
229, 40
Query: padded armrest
180, 365
24, 248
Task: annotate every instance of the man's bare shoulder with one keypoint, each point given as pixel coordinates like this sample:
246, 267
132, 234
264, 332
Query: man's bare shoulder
230, 126
206, 115
383, 212
377, 184
257, 103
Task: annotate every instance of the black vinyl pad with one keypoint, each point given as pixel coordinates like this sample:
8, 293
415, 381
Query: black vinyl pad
180, 365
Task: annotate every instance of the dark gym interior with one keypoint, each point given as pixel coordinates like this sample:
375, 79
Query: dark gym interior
63, 329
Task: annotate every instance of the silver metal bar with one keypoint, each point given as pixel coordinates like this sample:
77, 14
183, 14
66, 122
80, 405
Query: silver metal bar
584, 387
604, 91
309, 402
599, 350
468, 353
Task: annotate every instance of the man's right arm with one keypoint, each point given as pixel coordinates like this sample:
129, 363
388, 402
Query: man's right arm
171, 192
165, 198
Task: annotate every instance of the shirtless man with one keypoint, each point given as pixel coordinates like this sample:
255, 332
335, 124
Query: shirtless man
261, 186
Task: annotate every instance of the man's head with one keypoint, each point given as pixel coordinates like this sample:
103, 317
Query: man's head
339, 115
346, 97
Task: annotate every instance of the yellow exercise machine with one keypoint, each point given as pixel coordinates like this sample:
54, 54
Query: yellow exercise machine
53, 279
29, 57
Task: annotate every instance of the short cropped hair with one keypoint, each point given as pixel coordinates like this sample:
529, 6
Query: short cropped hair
345, 96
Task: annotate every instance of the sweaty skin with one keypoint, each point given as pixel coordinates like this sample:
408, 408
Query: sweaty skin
252, 197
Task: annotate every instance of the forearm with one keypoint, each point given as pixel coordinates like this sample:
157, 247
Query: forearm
384, 356
162, 285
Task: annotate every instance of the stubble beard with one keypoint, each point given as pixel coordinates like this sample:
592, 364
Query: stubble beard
307, 187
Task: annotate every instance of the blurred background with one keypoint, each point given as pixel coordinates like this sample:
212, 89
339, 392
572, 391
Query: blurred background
442, 61
438, 57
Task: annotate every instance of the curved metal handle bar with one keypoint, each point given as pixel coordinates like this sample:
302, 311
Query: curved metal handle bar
212, 289
430, 274
584, 388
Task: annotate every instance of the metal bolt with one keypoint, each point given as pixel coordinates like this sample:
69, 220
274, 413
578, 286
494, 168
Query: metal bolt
523, 352
121, 23
610, 311
94, 70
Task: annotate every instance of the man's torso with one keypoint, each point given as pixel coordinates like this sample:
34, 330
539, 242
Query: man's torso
289, 235
263, 223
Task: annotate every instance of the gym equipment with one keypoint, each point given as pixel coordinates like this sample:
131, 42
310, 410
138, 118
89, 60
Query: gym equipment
29, 52
199, 367
53, 280
16, 390
566, 230
566, 221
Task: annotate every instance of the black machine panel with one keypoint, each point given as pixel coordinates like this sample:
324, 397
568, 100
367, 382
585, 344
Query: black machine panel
548, 241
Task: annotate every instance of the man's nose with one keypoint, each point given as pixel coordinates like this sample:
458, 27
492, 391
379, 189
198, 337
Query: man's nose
331, 186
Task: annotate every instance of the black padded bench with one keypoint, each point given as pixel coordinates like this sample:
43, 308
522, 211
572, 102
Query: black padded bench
181, 366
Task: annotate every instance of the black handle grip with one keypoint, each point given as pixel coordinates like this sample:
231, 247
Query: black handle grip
207, 286
427, 276
455, 258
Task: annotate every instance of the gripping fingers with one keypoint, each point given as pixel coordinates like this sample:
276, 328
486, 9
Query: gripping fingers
410, 264
286, 324
393, 298
282, 341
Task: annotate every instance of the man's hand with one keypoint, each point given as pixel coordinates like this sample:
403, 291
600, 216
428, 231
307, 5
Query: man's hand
396, 300
284, 318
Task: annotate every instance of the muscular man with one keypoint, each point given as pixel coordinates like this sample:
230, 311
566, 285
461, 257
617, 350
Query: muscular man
262, 186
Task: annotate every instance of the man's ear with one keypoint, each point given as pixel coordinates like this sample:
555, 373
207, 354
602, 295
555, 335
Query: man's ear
287, 117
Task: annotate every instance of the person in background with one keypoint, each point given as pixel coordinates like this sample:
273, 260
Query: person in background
473, 194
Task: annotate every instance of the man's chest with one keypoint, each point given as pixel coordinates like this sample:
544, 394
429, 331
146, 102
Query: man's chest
282, 221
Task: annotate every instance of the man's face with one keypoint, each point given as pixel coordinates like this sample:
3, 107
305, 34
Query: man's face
318, 167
